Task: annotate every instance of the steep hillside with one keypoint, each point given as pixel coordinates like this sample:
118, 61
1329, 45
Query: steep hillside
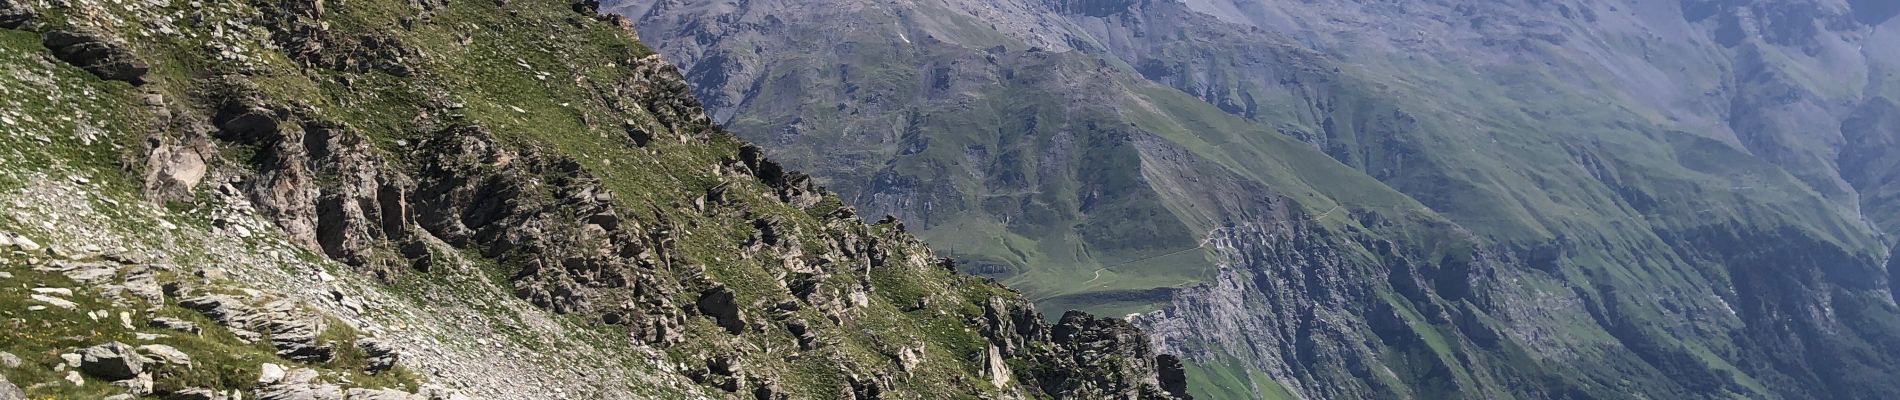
1364, 199
298, 199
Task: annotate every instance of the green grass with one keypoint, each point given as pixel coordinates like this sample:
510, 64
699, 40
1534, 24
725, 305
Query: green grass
1226, 378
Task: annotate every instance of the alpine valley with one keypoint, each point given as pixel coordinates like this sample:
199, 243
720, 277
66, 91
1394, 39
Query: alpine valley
1354, 199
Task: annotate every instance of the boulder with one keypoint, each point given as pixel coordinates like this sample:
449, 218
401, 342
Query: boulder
173, 172
722, 305
138, 385
381, 355
270, 373
112, 361
165, 354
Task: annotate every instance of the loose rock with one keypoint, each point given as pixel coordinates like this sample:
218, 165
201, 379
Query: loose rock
175, 324
270, 373
54, 301
112, 361
165, 354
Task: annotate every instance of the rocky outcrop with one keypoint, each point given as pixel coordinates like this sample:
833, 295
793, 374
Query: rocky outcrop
15, 14
793, 187
1109, 359
291, 331
97, 53
382, 356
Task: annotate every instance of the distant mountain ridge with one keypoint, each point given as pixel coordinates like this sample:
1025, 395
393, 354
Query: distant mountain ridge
1352, 199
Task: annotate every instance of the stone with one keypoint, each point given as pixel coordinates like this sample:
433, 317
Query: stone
193, 394
300, 375
173, 172
909, 357
294, 335
143, 283
86, 272
112, 361
98, 54
75, 379
270, 373
62, 292
175, 324
26, 245
997, 370
9, 361
722, 305
54, 301
10, 392
71, 359
300, 392
165, 354
138, 385
381, 356
63, 253
380, 394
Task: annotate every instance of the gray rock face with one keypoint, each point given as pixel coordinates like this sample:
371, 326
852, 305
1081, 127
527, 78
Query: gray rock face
194, 394
112, 361
175, 324
720, 304
299, 392
174, 170
292, 332
381, 394
381, 355
165, 354
8, 391
98, 54
15, 14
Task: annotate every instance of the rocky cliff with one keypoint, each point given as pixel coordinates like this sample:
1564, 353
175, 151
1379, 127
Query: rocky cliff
294, 199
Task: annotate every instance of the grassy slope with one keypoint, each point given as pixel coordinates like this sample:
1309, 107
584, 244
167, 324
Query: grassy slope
472, 53
49, 106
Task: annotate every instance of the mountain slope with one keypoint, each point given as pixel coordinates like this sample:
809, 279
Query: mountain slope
1374, 199
516, 200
